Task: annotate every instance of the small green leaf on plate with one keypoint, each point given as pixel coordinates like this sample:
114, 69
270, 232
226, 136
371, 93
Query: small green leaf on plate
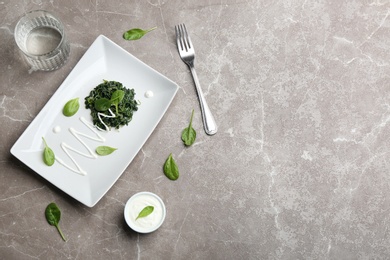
48, 154
71, 107
105, 150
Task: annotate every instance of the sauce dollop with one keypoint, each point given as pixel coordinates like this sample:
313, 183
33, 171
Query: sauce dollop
57, 129
149, 94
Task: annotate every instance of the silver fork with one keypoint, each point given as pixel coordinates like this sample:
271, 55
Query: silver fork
187, 54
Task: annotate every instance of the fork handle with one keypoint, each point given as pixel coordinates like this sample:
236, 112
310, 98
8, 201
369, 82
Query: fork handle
209, 124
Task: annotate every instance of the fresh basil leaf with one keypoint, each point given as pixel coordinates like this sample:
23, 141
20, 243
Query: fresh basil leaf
105, 150
189, 134
102, 104
170, 168
136, 34
71, 107
48, 154
53, 216
145, 212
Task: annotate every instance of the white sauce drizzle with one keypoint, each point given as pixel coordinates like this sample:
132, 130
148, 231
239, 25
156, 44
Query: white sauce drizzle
100, 115
90, 153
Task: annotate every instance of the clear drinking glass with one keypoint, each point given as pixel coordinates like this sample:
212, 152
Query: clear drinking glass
41, 38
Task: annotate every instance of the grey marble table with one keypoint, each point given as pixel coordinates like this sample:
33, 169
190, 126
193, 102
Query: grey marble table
298, 170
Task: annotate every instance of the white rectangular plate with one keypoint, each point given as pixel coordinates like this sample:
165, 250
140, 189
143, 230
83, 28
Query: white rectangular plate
103, 60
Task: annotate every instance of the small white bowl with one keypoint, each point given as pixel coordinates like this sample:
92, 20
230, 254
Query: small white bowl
134, 206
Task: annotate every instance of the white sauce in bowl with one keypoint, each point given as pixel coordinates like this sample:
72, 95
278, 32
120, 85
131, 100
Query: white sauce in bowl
136, 204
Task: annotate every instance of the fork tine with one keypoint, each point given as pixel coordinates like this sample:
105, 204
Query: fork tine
178, 36
186, 37
181, 38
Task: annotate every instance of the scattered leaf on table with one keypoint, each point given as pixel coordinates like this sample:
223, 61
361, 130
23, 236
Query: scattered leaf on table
136, 33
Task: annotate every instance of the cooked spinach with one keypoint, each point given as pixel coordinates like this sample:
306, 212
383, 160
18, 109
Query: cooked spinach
112, 95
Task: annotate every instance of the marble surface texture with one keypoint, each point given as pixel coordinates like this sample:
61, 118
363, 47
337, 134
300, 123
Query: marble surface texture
298, 170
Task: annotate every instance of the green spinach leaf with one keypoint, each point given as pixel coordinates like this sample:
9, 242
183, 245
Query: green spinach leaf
170, 168
136, 34
105, 150
71, 107
48, 154
145, 212
102, 104
53, 216
116, 98
189, 134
